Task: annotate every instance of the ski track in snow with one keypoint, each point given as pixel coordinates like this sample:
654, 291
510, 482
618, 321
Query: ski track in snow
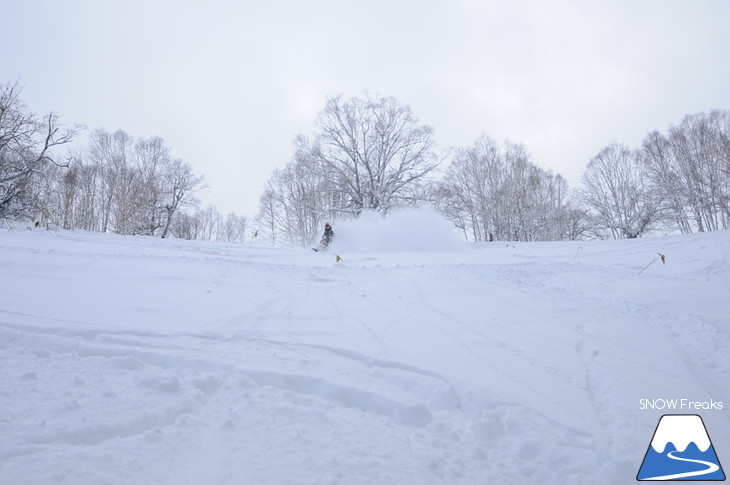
135, 360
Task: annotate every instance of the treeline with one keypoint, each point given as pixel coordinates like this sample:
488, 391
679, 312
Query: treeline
371, 153
495, 191
679, 180
121, 185
116, 183
210, 225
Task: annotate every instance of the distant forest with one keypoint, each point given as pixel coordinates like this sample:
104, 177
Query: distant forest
368, 154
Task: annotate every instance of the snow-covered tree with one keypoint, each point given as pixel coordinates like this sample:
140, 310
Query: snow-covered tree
659, 165
496, 192
122, 185
691, 167
372, 151
179, 183
73, 195
617, 191
26, 143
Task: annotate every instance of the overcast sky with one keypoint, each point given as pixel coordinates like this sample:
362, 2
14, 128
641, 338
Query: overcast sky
229, 84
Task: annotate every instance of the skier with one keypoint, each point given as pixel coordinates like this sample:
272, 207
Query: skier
327, 237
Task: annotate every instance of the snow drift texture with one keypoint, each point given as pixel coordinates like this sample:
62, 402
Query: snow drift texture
137, 360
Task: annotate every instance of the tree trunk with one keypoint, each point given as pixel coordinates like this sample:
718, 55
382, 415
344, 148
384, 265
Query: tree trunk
166, 230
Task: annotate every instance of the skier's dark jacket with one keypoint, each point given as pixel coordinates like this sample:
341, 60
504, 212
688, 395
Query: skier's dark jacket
329, 234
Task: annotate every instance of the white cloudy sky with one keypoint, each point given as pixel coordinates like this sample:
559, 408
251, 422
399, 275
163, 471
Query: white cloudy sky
229, 84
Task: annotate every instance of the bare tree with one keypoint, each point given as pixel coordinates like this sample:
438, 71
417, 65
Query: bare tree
26, 143
151, 159
75, 192
303, 200
616, 190
234, 228
111, 154
369, 153
496, 192
690, 167
373, 151
180, 186
270, 209
658, 161
699, 146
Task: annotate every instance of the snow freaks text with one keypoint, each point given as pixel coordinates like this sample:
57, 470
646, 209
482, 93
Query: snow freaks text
680, 405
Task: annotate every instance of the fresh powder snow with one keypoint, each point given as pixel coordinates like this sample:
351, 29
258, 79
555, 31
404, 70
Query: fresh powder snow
416, 359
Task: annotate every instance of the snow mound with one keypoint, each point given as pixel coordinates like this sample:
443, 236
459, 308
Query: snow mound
402, 230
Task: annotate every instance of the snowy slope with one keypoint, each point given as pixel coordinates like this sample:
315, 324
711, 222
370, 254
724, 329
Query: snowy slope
136, 360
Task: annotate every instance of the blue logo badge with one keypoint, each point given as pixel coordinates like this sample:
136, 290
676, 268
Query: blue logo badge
680, 450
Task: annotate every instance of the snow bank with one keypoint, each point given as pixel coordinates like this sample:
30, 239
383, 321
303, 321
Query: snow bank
402, 230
